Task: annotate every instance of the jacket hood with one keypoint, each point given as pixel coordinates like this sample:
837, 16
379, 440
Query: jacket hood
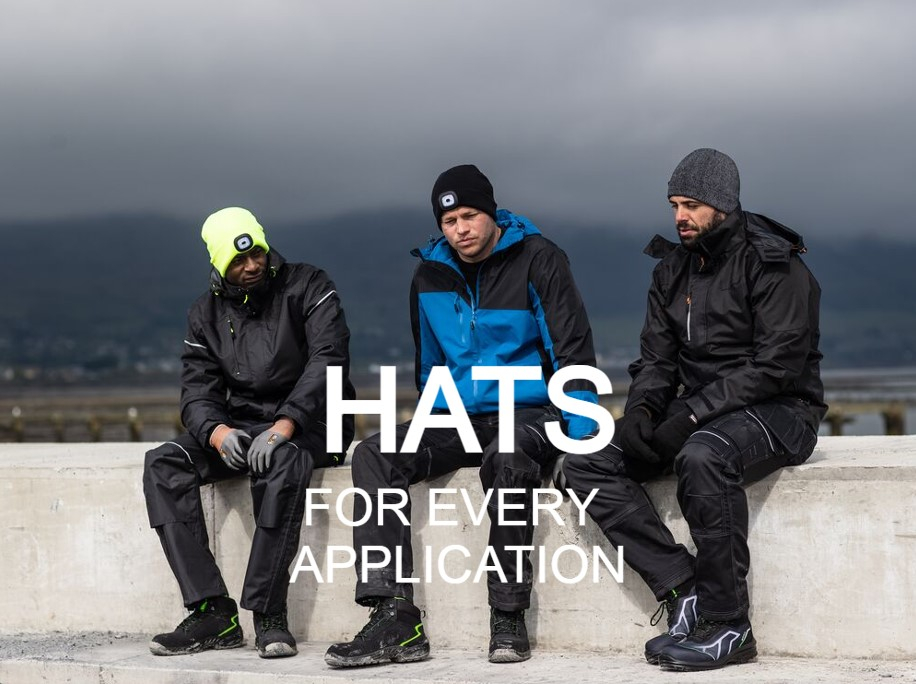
515, 228
772, 240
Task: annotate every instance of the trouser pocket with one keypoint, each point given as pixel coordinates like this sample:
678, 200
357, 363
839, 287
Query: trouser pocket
787, 425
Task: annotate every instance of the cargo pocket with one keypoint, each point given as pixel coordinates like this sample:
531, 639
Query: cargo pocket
789, 428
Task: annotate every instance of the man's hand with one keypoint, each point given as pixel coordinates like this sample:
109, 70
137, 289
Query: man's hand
231, 445
635, 431
262, 448
671, 434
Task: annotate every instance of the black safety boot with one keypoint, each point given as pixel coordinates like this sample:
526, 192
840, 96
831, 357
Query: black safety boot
394, 633
212, 624
272, 635
712, 645
508, 637
682, 618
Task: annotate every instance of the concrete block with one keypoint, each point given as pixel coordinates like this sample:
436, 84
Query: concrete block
833, 545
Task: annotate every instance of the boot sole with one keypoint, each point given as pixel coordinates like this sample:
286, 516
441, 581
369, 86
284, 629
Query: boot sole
214, 644
392, 654
277, 649
507, 655
739, 657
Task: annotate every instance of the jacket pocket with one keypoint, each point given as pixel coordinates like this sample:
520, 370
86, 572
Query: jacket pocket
788, 427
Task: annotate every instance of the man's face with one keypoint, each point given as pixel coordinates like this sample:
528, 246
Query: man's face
248, 269
693, 219
470, 232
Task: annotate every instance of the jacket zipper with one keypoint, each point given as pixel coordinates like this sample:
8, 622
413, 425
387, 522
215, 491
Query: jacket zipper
688, 316
234, 351
474, 340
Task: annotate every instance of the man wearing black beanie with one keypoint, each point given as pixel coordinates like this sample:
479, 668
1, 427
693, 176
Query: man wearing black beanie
726, 390
491, 291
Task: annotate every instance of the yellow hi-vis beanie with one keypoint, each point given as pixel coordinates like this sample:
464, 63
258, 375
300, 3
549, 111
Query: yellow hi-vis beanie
230, 232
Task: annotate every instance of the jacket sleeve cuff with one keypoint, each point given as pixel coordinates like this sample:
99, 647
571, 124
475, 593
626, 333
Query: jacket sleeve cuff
698, 408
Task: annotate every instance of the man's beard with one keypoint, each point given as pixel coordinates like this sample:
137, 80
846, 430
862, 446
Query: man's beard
691, 243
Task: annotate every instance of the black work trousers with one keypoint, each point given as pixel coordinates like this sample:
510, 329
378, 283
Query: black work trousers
440, 451
713, 467
172, 476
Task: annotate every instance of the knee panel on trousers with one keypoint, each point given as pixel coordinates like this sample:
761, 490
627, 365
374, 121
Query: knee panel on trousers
278, 490
514, 469
170, 485
706, 468
371, 468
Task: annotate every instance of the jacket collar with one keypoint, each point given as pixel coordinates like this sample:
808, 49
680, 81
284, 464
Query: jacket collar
514, 227
255, 296
773, 241
723, 238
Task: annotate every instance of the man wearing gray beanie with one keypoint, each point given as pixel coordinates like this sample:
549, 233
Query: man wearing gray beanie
726, 391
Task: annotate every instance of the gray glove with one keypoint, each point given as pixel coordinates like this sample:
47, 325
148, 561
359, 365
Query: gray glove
262, 450
233, 448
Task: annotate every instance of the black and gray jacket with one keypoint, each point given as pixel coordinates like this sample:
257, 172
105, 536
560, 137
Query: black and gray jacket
732, 324
253, 356
525, 310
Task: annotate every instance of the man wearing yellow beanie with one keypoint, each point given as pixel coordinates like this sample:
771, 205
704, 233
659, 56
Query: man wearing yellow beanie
253, 398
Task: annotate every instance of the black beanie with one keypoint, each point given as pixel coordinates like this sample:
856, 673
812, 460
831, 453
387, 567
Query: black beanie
709, 176
462, 186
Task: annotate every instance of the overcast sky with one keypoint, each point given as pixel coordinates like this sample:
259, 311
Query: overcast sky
578, 109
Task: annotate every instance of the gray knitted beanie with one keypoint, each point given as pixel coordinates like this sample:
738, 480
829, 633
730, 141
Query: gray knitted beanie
709, 176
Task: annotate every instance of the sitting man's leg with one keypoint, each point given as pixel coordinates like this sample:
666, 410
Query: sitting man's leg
520, 469
713, 467
628, 519
172, 476
278, 498
394, 632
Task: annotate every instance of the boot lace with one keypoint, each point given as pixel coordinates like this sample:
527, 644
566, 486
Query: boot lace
195, 616
273, 621
376, 617
506, 623
669, 605
705, 628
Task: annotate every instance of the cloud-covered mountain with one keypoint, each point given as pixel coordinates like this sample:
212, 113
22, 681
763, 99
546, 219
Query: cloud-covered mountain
109, 294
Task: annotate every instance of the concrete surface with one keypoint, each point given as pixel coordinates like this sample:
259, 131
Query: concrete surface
833, 545
123, 659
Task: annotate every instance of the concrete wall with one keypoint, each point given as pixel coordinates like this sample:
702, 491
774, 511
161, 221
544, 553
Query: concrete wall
833, 544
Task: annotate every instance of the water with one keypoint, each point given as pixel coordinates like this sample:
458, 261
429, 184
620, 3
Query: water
871, 385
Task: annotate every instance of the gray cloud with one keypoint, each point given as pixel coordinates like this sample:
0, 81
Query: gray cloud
578, 110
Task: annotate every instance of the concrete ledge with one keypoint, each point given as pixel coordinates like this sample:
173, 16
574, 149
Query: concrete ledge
79, 660
833, 544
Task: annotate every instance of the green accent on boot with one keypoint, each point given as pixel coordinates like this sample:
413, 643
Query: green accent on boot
235, 625
418, 628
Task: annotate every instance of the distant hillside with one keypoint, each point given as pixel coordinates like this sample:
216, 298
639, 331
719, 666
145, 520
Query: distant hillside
109, 295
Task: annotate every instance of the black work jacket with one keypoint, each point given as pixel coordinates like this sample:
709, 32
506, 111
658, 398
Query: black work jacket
251, 357
732, 324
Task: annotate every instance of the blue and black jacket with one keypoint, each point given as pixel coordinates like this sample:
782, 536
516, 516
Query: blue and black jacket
525, 311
